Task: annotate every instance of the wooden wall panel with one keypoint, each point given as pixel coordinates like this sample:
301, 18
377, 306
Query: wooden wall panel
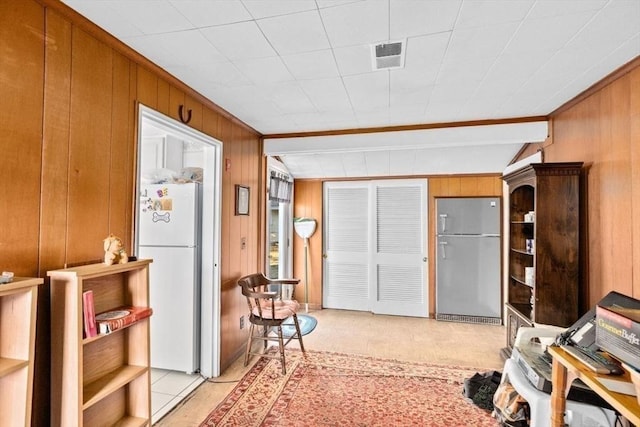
89, 148
210, 125
634, 137
163, 97
602, 131
147, 88
54, 195
21, 97
55, 149
121, 166
308, 203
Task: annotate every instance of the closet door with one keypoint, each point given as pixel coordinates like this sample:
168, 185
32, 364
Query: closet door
375, 247
399, 254
346, 245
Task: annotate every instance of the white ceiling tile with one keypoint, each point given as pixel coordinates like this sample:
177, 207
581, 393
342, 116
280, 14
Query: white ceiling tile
377, 163
212, 12
372, 118
327, 94
623, 15
300, 32
480, 41
106, 17
426, 52
481, 13
410, 87
182, 48
333, 3
418, 17
218, 74
263, 9
372, 18
457, 73
406, 115
239, 41
402, 162
548, 33
312, 65
264, 70
152, 18
354, 60
353, 164
544, 9
290, 98
330, 164
368, 91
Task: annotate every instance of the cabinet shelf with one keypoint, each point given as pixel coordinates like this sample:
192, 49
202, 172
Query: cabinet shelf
522, 252
8, 366
104, 386
521, 281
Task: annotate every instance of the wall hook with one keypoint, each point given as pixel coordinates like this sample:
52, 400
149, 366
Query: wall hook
181, 114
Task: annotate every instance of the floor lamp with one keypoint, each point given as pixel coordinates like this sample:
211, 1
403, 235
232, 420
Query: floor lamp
305, 227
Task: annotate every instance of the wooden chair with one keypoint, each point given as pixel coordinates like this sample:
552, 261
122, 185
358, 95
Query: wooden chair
268, 310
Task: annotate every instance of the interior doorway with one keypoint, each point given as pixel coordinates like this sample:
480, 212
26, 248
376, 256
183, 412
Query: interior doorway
178, 194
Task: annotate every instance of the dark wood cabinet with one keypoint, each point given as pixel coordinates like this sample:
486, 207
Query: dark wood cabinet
544, 235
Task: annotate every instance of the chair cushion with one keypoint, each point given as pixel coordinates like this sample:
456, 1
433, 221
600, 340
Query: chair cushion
283, 309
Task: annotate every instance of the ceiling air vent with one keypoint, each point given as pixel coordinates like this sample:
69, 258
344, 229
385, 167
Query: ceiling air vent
388, 55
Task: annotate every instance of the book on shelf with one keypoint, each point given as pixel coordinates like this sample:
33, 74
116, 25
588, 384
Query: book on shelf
121, 317
89, 315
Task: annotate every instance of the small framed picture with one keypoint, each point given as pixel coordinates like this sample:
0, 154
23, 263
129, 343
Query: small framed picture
242, 200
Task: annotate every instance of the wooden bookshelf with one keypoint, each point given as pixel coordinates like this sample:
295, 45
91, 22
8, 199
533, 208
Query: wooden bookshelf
551, 296
18, 301
102, 380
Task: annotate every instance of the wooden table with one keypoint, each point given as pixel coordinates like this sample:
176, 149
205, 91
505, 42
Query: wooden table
567, 368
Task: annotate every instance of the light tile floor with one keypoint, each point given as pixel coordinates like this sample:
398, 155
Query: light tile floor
168, 389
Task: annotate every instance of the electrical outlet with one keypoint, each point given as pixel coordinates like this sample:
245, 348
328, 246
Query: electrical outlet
241, 322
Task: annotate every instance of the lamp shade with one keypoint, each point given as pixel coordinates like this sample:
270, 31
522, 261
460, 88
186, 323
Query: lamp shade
305, 227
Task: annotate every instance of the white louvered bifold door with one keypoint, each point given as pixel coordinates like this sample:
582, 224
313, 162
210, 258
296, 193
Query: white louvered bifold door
375, 246
346, 245
399, 254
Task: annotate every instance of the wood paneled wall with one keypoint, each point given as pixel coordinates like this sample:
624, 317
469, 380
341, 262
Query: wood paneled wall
69, 94
603, 131
307, 199
308, 203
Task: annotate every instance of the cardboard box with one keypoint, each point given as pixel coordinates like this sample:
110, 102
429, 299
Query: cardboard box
618, 333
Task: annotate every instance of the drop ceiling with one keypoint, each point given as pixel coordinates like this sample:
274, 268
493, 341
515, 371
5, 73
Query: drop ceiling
294, 66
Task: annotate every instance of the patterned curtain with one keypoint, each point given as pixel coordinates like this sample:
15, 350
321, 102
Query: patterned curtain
280, 187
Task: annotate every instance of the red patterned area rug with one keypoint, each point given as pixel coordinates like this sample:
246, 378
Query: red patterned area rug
333, 389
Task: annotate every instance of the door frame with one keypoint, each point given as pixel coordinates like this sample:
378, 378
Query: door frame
211, 213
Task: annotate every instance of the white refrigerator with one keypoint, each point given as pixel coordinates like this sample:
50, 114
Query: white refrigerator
169, 233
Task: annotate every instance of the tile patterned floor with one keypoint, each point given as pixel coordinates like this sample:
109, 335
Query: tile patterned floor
168, 389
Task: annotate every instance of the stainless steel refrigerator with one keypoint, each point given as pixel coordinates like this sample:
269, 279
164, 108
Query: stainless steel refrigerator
169, 233
468, 260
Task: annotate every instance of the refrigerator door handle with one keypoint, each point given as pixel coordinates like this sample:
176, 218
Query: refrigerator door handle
443, 244
443, 221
